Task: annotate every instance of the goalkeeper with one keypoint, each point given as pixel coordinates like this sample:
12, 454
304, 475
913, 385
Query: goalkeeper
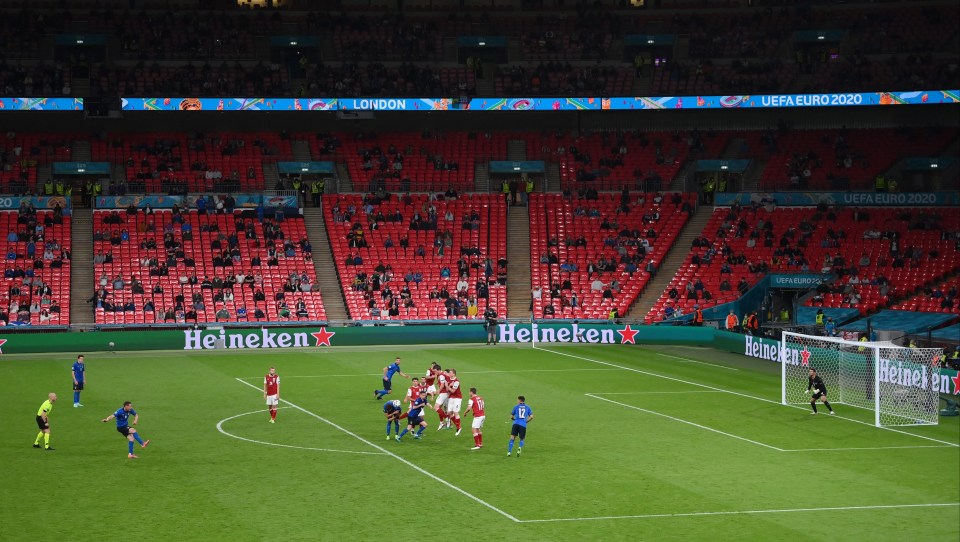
816, 386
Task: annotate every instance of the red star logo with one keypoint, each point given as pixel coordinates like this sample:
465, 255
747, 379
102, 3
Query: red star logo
956, 382
2, 341
323, 336
627, 335
805, 357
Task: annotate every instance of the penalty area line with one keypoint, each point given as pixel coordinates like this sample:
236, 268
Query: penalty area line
749, 512
704, 427
754, 397
413, 466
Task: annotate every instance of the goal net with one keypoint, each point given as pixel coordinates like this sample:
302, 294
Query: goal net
900, 385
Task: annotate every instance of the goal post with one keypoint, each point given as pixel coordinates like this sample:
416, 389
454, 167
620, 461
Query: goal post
899, 385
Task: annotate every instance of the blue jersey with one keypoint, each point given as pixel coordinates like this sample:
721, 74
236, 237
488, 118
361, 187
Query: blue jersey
78, 369
392, 369
389, 407
416, 407
121, 415
521, 413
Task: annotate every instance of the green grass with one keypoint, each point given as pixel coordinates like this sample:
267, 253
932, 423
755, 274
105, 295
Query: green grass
690, 448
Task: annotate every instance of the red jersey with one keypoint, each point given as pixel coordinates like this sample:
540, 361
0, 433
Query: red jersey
431, 376
414, 391
453, 386
272, 383
476, 403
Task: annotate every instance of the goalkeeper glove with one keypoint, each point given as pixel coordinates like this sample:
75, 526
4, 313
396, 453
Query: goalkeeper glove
814, 391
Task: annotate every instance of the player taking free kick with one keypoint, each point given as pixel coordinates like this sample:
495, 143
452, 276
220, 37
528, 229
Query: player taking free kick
122, 416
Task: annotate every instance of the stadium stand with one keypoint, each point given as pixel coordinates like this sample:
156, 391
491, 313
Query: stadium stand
414, 161
839, 158
887, 253
187, 265
36, 248
21, 153
590, 255
939, 297
452, 267
174, 162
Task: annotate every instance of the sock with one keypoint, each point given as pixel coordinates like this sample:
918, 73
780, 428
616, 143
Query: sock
420, 431
76, 397
129, 446
456, 422
480, 439
814, 405
46, 440
39, 436
828, 405
405, 431
476, 440
396, 427
136, 437
273, 413
521, 444
441, 415
388, 428
510, 447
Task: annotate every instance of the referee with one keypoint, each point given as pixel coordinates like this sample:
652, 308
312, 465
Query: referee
819, 389
43, 422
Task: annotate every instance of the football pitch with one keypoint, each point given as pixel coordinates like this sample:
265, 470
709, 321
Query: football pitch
627, 443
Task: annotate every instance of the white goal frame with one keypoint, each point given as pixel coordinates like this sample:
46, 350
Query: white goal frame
893, 402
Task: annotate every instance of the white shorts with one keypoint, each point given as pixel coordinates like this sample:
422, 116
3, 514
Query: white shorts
431, 390
442, 399
453, 405
273, 400
478, 422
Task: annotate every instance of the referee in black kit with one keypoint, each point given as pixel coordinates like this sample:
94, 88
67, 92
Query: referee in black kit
815, 384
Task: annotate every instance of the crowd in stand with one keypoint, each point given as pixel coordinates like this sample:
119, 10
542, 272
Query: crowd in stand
28, 291
729, 53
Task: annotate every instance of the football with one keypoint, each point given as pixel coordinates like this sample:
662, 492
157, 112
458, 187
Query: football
110, 344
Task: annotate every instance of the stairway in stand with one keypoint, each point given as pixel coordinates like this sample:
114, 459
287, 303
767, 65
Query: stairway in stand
518, 256
333, 301
668, 267
81, 266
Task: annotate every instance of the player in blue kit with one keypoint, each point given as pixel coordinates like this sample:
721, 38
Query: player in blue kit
392, 410
79, 377
388, 372
122, 416
415, 416
522, 415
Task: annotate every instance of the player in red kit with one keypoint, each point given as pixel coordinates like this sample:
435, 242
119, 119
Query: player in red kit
433, 387
442, 395
416, 386
475, 406
456, 397
271, 392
